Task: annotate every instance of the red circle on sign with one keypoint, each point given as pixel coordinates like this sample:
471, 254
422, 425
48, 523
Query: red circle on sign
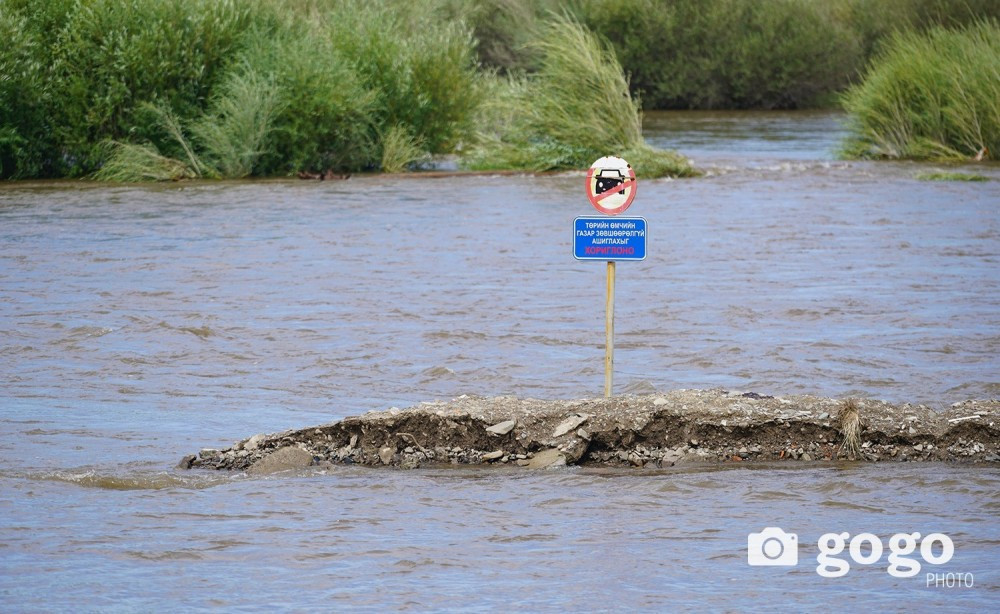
595, 199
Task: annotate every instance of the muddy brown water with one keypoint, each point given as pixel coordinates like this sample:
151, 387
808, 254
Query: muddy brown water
140, 323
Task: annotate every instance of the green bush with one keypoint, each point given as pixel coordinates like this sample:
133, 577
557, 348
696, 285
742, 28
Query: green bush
25, 147
363, 85
421, 70
932, 95
114, 55
324, 118
721, 53
342, 85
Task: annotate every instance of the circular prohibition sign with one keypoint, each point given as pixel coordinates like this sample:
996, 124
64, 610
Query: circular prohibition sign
611, 185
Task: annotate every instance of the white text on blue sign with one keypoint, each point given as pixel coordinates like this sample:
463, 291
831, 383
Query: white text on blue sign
602, 238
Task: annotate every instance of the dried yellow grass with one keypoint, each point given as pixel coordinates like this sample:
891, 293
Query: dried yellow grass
849, 423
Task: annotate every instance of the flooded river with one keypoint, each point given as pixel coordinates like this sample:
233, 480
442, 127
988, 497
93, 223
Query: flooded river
139, 324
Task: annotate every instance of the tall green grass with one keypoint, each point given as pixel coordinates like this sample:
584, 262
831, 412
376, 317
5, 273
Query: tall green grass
227, 140
400, 149
241, 117
135, 162
930, 96
573, 110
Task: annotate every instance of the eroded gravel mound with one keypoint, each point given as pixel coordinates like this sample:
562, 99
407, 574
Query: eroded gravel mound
660, 429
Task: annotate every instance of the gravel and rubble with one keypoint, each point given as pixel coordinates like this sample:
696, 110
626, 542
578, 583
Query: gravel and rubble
657, 430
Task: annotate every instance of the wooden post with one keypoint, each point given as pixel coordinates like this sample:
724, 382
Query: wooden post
609, 332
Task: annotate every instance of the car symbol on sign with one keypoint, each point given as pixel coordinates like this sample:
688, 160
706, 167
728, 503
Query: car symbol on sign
608, 179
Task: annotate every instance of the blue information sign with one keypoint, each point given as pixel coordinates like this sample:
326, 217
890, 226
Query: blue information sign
609, 238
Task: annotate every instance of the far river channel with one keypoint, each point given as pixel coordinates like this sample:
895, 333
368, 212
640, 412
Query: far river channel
142, 323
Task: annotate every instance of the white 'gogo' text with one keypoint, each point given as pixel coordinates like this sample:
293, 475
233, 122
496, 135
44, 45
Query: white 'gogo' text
867, 549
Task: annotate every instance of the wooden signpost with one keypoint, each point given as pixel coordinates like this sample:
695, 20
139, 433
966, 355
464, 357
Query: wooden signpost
611, 187
609, 331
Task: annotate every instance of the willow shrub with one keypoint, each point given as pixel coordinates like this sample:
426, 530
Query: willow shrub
502, 29
930, 96
324, 118
29, 115
728, 53
24, 124
421, 70
874, 21
363, 85
573, 110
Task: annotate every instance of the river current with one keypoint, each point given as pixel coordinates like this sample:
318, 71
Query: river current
141, 323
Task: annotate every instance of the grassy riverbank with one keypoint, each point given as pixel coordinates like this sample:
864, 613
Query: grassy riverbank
168, 89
